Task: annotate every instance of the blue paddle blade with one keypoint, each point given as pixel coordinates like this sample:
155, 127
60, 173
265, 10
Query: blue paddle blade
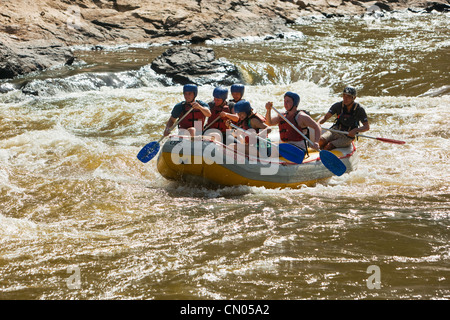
332, 162
148, 152
291, 152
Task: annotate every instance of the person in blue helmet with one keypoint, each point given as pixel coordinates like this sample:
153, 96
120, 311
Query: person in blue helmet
200, 110
349, 114
252, 122
248, 119
299, 118
237, 92
220, 111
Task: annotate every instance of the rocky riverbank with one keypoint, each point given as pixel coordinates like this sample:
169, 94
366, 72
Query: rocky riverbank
35, 35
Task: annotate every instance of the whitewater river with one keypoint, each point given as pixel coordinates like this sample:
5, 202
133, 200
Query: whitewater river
82, 218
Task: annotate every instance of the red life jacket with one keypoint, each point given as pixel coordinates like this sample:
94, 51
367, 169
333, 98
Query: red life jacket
287, 133
215, 112
195, 115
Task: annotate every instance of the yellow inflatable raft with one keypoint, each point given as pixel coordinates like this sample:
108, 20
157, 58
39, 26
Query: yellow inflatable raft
205, 160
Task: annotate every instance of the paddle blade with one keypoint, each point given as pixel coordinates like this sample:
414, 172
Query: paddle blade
391, 140
291, 152
148, 152
332, 162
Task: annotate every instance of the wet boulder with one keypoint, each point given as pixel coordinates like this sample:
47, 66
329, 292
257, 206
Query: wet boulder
196, 65
18, 59
437, 6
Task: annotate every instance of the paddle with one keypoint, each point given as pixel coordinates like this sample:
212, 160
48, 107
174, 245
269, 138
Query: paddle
364, 136
287, 151
150, 150
209, 125
329, 160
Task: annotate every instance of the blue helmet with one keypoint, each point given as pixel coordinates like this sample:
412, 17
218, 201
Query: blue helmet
238, 88
243, 106
295, 97
190, 88
220, 93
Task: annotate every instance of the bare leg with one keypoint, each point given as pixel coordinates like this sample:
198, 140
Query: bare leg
322, 143
329, 146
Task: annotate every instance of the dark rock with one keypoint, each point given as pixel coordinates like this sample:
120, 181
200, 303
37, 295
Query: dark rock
383, 6
441, 7
196, 65
28, 57
9, 63
107, 25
